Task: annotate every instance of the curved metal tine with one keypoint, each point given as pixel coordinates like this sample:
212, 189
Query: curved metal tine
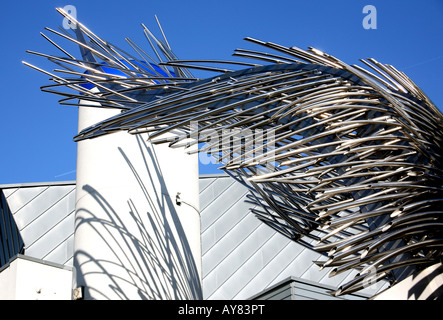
339, 115
192, 66
141, 52
79, 63
163, 34
118, 50
280, 49
276, 209
349, 264
85, 95
89, 33
396, 76
395, 185
104, 96
300, 141
405, 81
419, 92
411, 217
257, 57
398, 233
356, 284
148, 36
221, 120
81, 104
66, 32
358, 216
432, 124
396, 105
416, 111
298, 53
81, 44
333, 208
190, 105
352, 144
180, 61
351, 174
218, 132
417, 219
165, 104
422, 95
352, 251
125, 69
314, 91
63, 65
80, 74
379, 68
431, 243
106, 51
227, 106
303, 149
366, 164
357, 243
68, 84
322, 59
339, 229
413, 184
329, 246
138, 113
241, 155
411, 206
57, 46
305, 140
265, 56
374, 76
95, 83
220, 127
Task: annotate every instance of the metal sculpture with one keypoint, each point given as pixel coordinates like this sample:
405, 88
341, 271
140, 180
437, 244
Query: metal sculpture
352, 169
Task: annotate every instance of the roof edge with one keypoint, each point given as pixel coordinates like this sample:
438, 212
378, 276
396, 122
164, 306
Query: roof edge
37, 184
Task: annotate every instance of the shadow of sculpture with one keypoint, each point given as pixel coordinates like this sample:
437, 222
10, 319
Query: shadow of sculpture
429, 287
149, 248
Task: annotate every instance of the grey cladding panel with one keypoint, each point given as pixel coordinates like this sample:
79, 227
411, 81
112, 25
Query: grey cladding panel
45, 217
241, 255
22, 196
281, 293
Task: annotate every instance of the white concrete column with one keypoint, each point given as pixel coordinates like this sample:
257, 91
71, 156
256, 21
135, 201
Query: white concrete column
132, 240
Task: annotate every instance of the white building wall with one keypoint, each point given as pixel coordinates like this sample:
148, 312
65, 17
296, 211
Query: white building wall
30, 279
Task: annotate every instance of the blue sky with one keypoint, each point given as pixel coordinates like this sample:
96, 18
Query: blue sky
36, 132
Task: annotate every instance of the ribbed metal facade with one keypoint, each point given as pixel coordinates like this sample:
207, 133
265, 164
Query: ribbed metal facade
44, 215
11, 242
294, 288
241, 255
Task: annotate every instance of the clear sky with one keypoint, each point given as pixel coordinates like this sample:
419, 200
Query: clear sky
36, 132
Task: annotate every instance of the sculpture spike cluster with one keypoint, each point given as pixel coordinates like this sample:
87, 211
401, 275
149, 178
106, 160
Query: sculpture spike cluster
350, 160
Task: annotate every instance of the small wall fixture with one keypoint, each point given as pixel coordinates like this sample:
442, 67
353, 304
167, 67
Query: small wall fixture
77, 293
